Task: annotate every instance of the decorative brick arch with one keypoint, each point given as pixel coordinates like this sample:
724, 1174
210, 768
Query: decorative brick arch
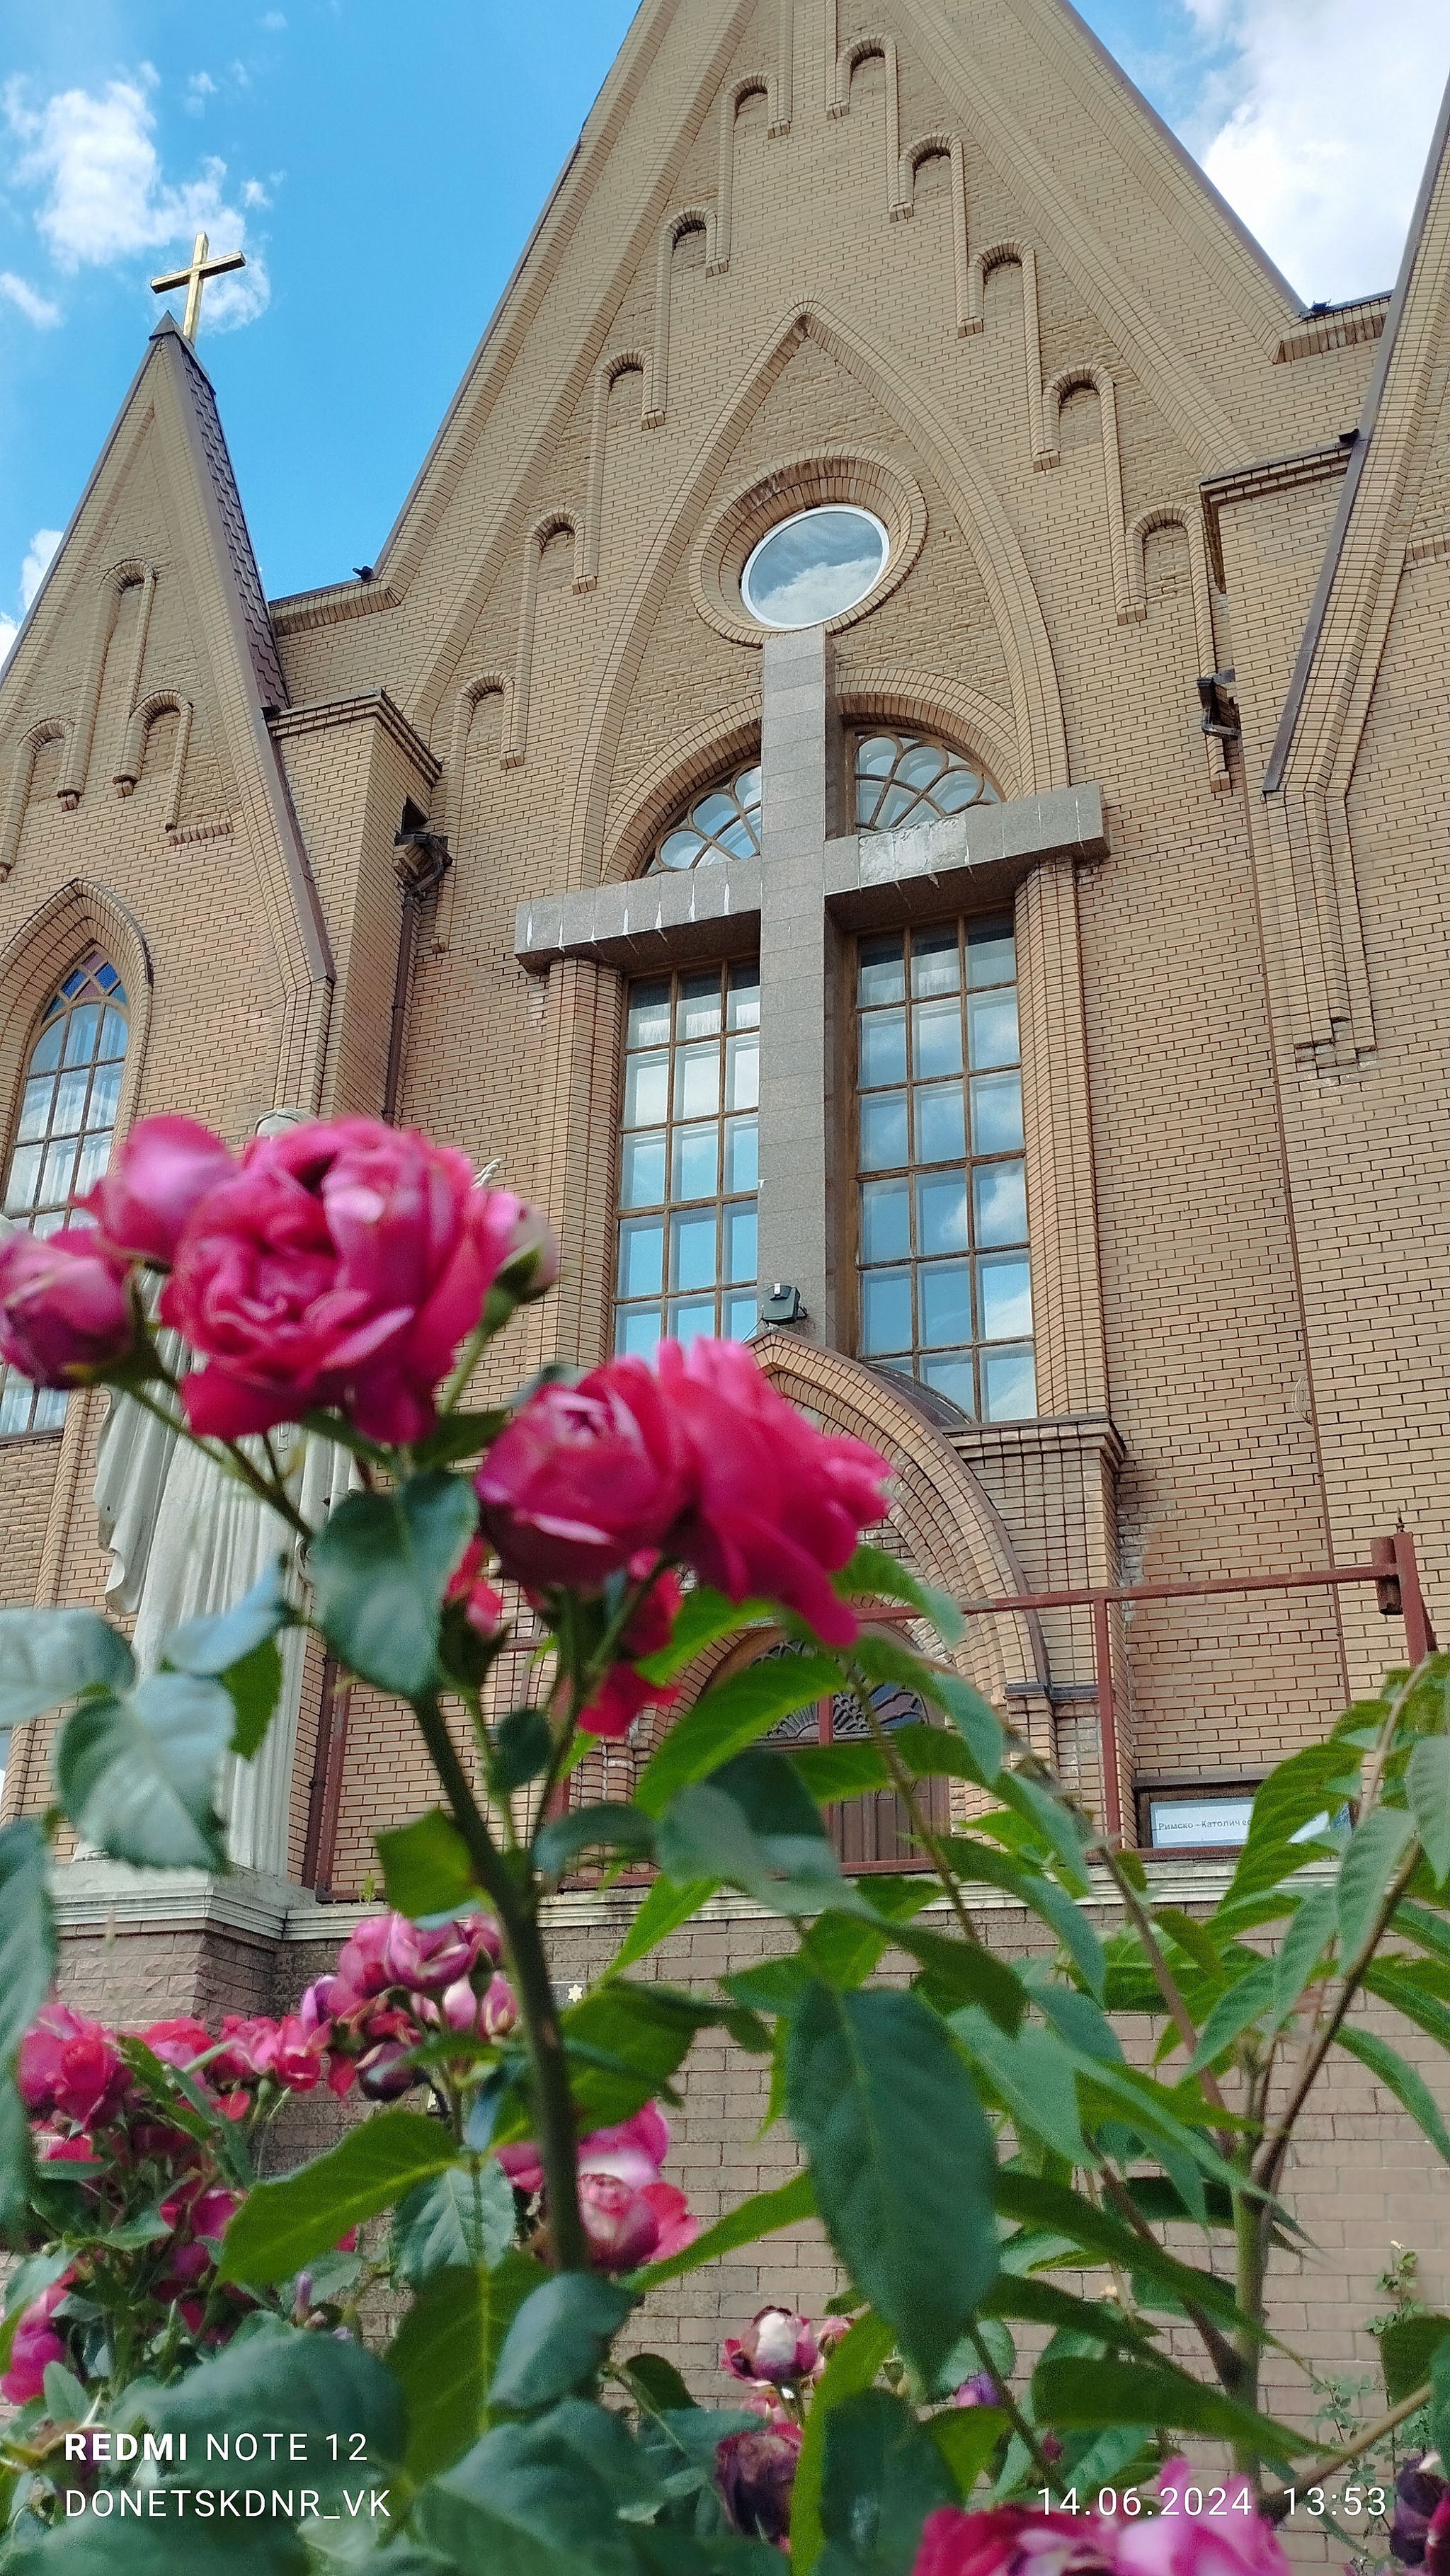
691, 763
79, 916
28, 750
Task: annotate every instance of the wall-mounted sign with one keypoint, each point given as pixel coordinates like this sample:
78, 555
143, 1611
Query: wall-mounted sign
1183, 1824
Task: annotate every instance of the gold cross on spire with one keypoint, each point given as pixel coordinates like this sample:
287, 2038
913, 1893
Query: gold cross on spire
194, 279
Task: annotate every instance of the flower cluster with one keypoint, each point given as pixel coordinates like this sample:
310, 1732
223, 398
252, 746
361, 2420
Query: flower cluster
395, 1987
339, 1264
631, 2214
779, 2352
778, 2357
1016, 2540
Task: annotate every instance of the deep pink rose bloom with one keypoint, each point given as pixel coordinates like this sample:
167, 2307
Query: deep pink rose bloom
755, 2473
342, 1265
584, 1478
383, 2073
1229, 2543
625, 2227
164, 1167
247, 2054
777, 2345
74, 2150
293, 2055
35, 2343
482, 1602
776, 1506
1013, 2540
677, 2222
63, 1308
490, 2015
612, 1709
177, 2043
71, 2066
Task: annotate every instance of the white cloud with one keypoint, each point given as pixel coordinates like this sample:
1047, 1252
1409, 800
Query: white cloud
32, 573
36, 308
104, 198
1333, 104
199, 89
274, 19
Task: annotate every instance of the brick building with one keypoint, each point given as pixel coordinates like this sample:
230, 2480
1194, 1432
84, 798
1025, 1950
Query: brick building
925, 667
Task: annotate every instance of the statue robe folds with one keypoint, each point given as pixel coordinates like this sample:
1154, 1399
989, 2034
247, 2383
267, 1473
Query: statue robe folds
185, 1541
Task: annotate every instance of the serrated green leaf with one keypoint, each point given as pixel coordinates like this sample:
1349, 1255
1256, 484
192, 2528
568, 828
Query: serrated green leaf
1407, 2350
870, 1574
761, 2215
280, 2225
735, 1714
965, 1971
1409, 2089
275, 2374
50, 1656
887, 1659
557, 2340
966, 2437
1427, 1784
874, 2088
611, 1827
1375, 1851
703, 1617
523, 2503
1040, 2204
1310, 1929
1035, 2077
1311, 1782
378, 1570
1048, 1818
852, 2366
881, 2475
138, 1773
446, 2350
464, 2216
426, 1867
664, 1909
629, 2041
983, 1861
704, 1832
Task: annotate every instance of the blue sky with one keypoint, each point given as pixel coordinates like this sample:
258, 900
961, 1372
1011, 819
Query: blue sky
382, 167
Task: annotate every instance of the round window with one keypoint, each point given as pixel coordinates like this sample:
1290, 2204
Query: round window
815, 566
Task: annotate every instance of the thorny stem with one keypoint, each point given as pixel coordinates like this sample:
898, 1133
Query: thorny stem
555, 2112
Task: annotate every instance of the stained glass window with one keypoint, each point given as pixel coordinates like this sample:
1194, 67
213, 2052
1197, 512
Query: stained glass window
62, 1139
904, 778
725, 824
688, 1158
942, 1267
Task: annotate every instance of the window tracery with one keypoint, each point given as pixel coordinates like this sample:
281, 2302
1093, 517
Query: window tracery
904, 778
722, 824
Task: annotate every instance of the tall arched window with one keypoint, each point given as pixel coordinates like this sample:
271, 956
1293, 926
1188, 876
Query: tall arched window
62, 1139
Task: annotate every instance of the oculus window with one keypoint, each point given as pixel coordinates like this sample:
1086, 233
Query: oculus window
724, 824
814, 566
942, 1268
688, 1159
62, 1139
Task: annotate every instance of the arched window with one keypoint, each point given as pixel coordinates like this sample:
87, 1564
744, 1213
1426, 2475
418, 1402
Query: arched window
872, 1832
722, 824
904, 778
62, 1139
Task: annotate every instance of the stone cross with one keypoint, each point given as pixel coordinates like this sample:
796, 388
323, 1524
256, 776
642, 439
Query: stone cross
816, 881
194, 278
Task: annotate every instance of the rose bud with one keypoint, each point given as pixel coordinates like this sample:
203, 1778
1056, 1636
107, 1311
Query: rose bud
64, 1313
385, 2072
777, 2345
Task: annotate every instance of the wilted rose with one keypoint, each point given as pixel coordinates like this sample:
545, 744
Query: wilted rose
35, 2343
755, 2474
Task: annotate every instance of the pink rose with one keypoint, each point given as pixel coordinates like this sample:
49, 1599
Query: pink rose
74, 2150
491, 2015
584, 1477
625, 2227
632, 2152
72, 2066
177, 2043
612, 1709
35, 2343
1233, 2542
482, 1603
777, 2345
64, 1313
1013, 2540
385, 2072
755, 2474
677, 2223
247, 2054
164, 1167
342, 1265
293, 2055
776, 1506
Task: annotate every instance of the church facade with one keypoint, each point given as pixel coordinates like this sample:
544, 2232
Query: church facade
891, 772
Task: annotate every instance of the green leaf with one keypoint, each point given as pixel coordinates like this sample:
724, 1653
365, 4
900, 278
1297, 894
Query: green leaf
1409, 2089
523, 2503
137, 1773
558, 2339
1034, 2076
275, 2374
210, 1647
852, 2366
886, 1659
254, 1687
881, 2476
964, 1972
611, 1827
728, 1718
875, 2091
1053, 2208
17, 2166
631, 2040
521, 1746
1375, 1851
463, 2216
1048, 1819
966, 2437
871, 1575
1042, 2303
1239, 2004
378, 1570
1407, 2349
445, 2353
832, 1771
1093, 2392
458, 1435
48, 1656
27, 1932
1310, 1783
1307, 1935
664, 1909
704, 1832
282, 2224
1427, 1783
66, 2401
765, 2211
978, 1860
1440, 2398
704, 1616
1401, 1987
426, 1868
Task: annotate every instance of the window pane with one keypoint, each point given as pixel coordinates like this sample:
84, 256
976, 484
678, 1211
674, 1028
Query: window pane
882, 972
885, 1311
946, 1303
637, 1331
951, 1375
999, 1203
34, 1110
742, 1155
992, 1028
689, 1321
883, 1132
693, 1250
885, 1221
940, 1133
60, 1163
696, 1155
641, 1257
15, 1403
742, 1073
698, 1015
46, 1055
113, 1037
883, 1048
1004, 1291
70, 1103
24, 1174
105, 1094
739, 1225
997, 1114
1009, 1386
936, 1031
649, 1015
991, 954
642, 1170
646, 1090
941, 1213
739, 1321
697, 1081
935, 964
95, 1154
744, 997
82, 1030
